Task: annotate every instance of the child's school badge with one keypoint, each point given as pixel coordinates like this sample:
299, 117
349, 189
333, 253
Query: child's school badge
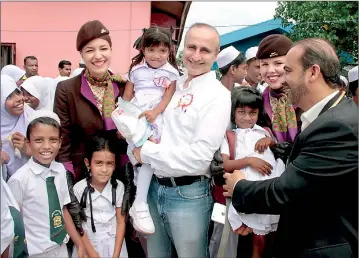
57, 218
185, 101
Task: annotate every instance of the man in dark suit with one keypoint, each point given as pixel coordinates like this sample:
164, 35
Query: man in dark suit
317, 195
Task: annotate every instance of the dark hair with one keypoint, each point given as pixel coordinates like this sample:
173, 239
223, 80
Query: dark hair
42, 120
247, 96
29, 57
97, 143
321, 52
353, 86
153, 37
63, 63
240, 59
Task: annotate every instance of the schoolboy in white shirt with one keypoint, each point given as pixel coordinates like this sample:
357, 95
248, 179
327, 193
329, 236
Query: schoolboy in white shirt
40, 188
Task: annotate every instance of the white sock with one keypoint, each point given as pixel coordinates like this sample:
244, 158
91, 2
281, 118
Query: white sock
143, 183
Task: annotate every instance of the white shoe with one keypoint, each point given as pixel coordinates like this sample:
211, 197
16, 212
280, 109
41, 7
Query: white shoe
142, 220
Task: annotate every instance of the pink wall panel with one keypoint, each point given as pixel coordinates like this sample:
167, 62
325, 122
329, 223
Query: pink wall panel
48, 30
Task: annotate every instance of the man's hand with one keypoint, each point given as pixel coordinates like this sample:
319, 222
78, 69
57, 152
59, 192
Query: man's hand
137, 153
260, 166
243, 230
150, 115
231, 180
263, 144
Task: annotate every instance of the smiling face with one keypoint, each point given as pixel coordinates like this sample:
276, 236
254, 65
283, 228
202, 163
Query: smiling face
272, 71
102, 165
201, 48
97, 56
156, 56
14, 103
32, 101
44, 142
253, 72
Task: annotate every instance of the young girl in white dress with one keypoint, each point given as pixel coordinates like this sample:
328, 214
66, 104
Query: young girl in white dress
100, 195
150, 87
254, 158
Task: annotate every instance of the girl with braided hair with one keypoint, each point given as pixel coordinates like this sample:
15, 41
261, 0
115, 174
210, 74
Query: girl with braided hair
100, 195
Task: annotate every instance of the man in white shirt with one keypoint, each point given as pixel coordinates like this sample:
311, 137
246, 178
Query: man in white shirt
318, 190
232, 65
195, 121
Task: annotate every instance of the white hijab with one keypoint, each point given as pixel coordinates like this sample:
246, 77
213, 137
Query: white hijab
54, 86
11, 124
40, 88
13, 71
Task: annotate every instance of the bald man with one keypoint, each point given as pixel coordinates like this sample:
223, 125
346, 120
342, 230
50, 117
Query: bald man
180, 199
317, 195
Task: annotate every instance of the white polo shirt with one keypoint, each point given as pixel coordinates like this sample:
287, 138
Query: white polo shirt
28, 186
195, 122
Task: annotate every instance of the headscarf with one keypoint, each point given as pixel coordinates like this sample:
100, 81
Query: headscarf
53, 86
76, 72
11, 124
13, 71
40, 88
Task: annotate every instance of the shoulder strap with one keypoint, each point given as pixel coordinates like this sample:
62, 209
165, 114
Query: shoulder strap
231, 137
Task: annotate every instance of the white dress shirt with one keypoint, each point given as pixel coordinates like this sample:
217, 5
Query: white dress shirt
195, 122
309, 116
28, 186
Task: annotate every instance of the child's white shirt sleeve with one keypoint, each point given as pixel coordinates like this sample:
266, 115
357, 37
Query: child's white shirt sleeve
234, 218
16, 189
225, 147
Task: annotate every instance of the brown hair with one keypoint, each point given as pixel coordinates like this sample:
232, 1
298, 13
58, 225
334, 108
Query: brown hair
321, 52
153, 37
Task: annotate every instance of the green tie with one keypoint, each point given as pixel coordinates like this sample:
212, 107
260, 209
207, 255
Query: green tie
57, 226
20, 247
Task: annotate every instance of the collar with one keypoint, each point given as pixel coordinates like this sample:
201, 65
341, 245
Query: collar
106, 192
310, 115
255, 128
37, 169
211, 75
166, 66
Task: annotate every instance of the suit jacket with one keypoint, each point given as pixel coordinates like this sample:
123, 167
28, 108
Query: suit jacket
317, 195
80, 119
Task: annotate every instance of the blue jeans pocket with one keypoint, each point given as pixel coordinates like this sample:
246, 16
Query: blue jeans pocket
197, 190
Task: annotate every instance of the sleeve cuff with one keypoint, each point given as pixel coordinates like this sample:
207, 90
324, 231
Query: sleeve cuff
146, 150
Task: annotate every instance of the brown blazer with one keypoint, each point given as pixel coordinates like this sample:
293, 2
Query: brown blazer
80, 119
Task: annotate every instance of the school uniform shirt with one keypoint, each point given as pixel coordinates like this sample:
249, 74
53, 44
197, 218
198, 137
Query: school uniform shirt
246, 140
195, 122
104, 216
28, 186
150, 84
7, 223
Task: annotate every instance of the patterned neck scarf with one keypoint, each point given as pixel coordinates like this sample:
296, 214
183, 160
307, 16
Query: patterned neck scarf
109, 97
284, 120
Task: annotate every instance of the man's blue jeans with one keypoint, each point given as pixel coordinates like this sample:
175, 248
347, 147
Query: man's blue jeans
181, 216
